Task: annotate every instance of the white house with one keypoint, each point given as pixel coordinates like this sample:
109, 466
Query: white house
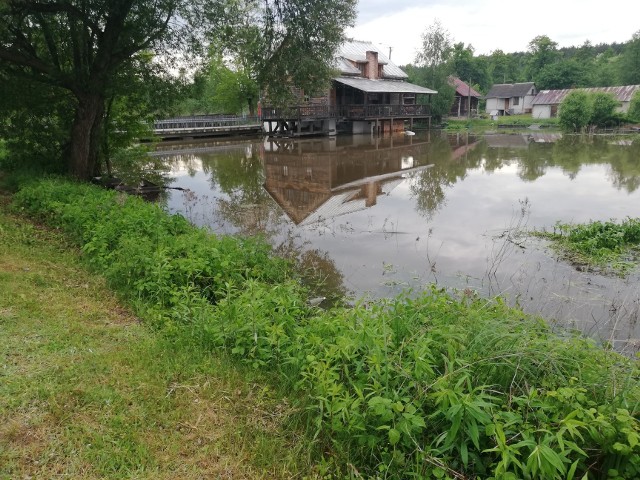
547, 102
510, 98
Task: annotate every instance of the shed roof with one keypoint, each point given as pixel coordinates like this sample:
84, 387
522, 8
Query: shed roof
383, 86
462, 88
555, 97
509, 90
356, 51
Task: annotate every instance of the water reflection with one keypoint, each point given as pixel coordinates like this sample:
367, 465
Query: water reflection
373, 216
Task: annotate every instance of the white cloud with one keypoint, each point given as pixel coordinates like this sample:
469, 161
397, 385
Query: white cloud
493, 24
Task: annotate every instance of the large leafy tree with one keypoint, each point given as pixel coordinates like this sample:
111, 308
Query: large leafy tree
80, 46
434, 66
559, 75
543, 51
469, 68
630, 61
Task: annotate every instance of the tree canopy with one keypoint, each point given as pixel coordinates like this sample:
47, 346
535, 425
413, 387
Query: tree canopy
81, 47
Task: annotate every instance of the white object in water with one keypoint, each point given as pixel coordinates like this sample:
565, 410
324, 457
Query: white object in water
409, 132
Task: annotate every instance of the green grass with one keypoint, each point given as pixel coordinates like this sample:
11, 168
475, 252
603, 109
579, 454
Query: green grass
610, 247
515, 121
86, 391
420, 386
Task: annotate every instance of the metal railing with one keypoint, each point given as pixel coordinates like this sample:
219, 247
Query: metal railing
204, 121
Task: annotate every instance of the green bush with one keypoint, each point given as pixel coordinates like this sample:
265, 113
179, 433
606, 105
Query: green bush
575, 111
603, 109
634, 107
426, 387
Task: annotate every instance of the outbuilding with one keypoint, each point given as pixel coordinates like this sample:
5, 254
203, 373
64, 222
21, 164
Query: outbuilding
546, 104
511, 98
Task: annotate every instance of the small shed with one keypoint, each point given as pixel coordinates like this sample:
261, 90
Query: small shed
511, 98
466, 98
546, 104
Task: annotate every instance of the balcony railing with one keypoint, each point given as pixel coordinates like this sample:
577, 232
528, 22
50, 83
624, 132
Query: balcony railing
299, 112
318, 112
384, 111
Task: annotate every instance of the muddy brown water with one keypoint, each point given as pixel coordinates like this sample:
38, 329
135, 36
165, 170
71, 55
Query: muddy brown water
374, 217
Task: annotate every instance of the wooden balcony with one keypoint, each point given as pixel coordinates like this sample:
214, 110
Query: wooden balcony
347, 112
367, 112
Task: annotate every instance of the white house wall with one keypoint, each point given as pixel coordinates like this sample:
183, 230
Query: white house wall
517, 109
541, 111
492, 104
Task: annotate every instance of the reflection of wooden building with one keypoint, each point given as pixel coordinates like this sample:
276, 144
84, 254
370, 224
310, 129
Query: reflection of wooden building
370, 95
328, 180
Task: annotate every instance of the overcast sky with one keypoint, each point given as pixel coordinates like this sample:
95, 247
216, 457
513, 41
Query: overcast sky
494, 24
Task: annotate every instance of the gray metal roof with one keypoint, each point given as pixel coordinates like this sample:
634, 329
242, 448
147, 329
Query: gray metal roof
383, 86
356, 51
345, 67
555, 97
509, 90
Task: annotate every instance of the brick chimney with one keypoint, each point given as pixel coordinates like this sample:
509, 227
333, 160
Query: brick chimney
372, 65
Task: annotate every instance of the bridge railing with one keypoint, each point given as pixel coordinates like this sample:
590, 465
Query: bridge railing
204, 121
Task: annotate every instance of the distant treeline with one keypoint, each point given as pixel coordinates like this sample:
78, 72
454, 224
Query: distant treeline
544, 63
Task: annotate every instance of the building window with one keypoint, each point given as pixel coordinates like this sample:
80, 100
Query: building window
516, 101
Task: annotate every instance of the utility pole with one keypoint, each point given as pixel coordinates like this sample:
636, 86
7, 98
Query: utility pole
469, 101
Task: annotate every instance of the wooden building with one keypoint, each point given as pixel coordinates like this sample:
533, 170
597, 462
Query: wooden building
371, 95
466, 99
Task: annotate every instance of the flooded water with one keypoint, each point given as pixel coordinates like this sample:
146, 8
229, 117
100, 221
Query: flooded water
376, 216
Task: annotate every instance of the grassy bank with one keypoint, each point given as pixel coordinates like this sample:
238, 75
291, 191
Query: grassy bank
506, 124
424, 387
86, 391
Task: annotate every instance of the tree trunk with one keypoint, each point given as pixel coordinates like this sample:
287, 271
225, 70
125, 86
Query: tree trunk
85, 136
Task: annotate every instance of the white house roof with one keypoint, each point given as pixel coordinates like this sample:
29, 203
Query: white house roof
383, 86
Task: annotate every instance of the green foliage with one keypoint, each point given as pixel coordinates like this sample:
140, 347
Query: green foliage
575, 111
544, 52
560, 75
431, 386
35, 126
436, 78
603, 109
630, 62
634, 107
608, 245
83, 48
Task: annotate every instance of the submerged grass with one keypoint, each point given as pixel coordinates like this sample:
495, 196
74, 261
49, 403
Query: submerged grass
86, 391
609, 246
432, 386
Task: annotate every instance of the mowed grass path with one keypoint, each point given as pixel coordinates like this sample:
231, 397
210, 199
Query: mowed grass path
86, 391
